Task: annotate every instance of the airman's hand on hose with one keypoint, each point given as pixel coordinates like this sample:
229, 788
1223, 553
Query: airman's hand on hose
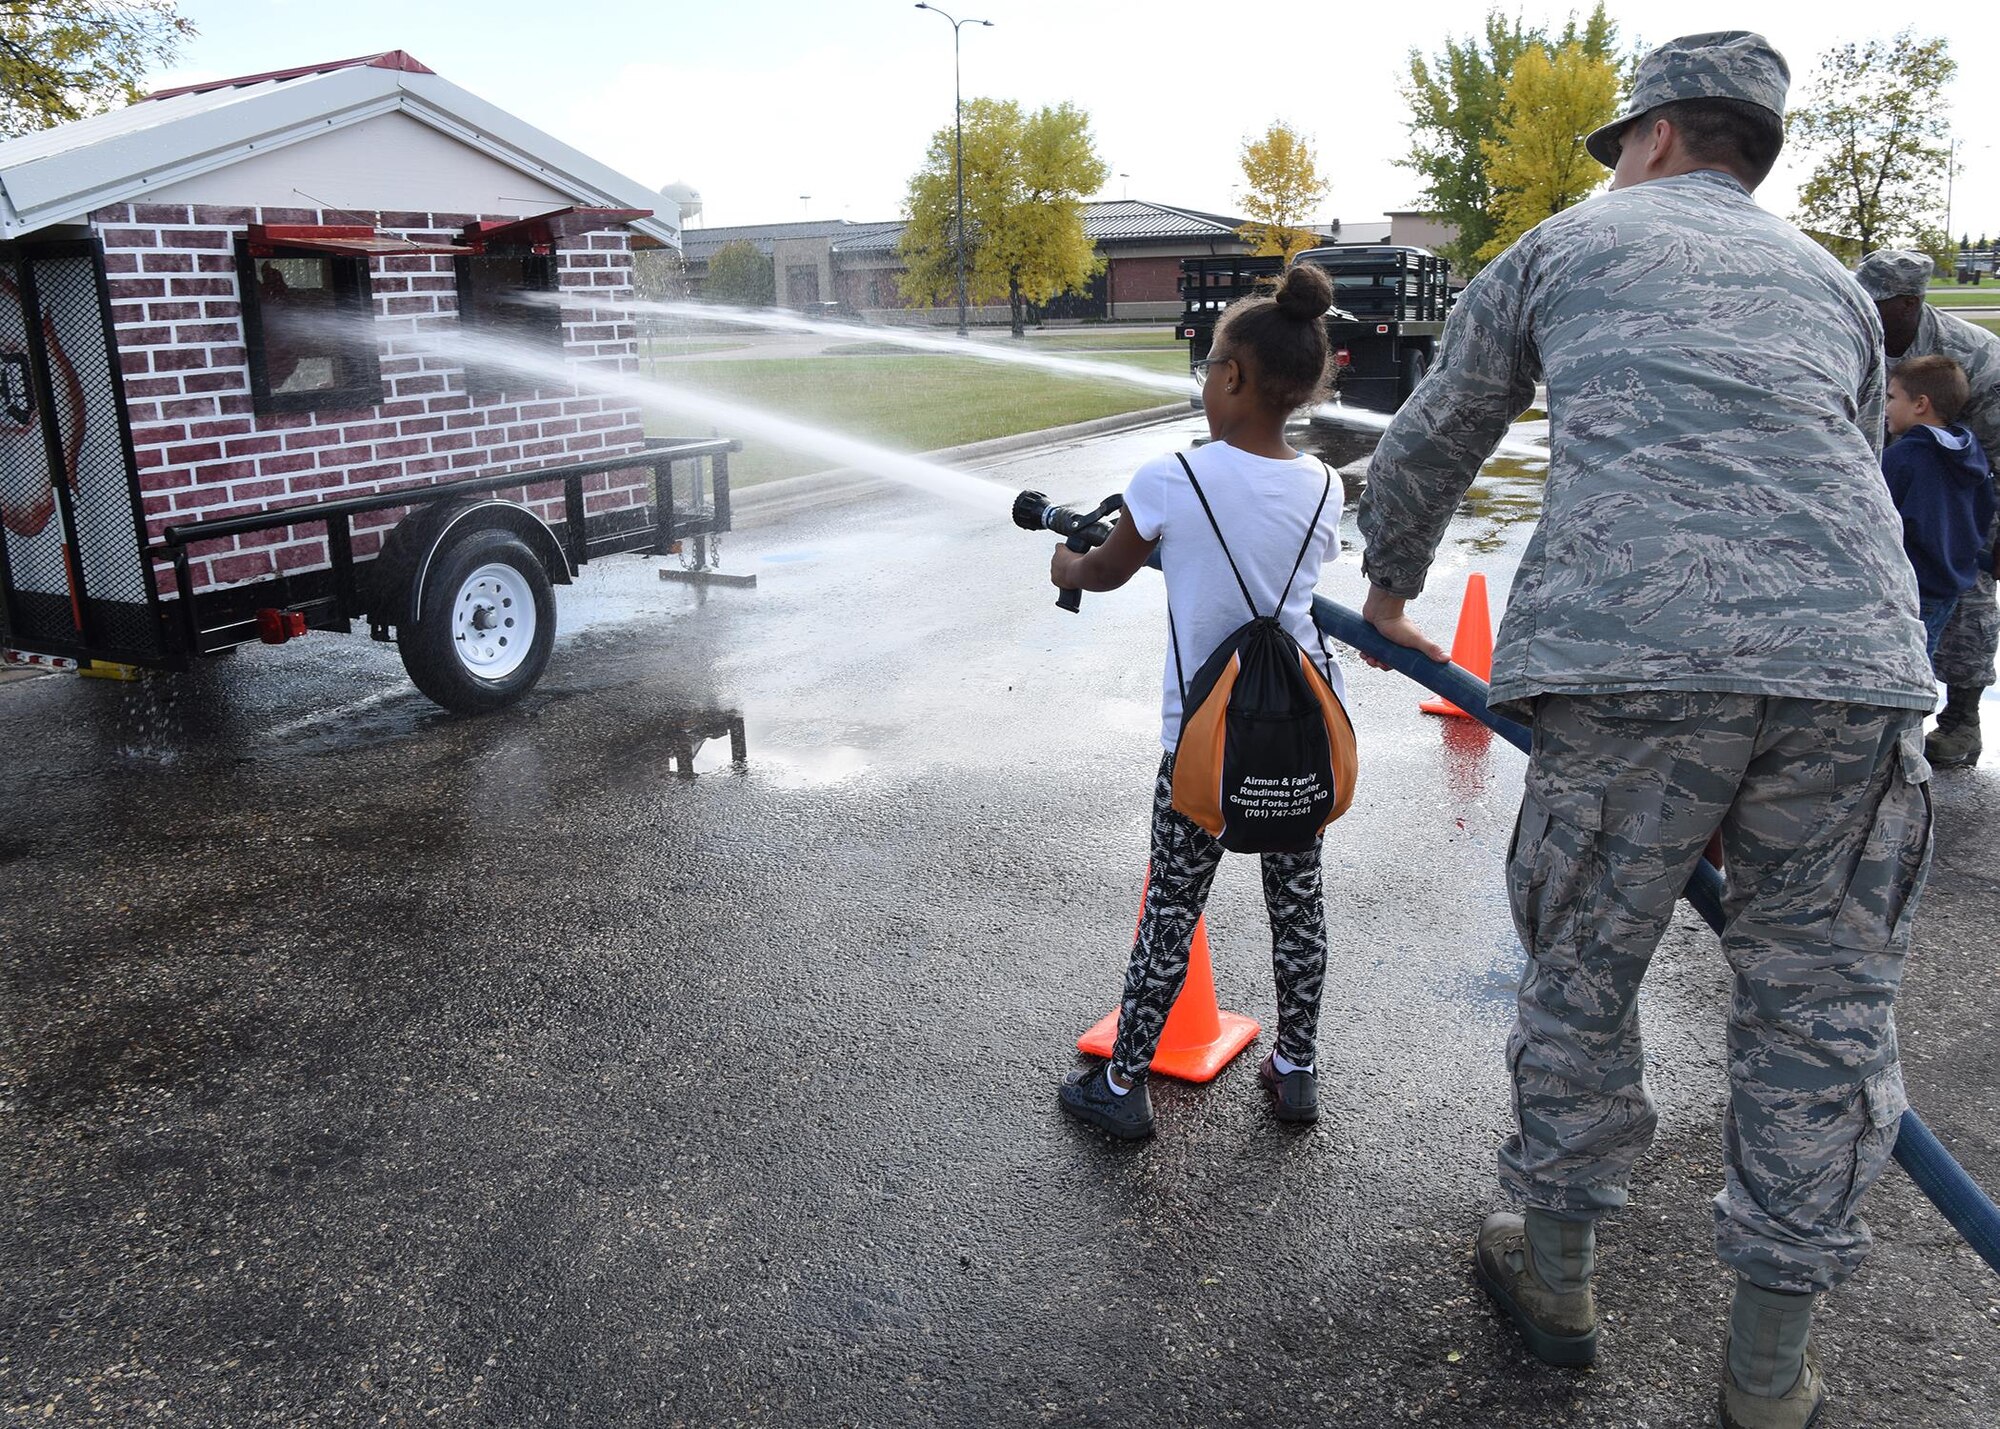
1385, 613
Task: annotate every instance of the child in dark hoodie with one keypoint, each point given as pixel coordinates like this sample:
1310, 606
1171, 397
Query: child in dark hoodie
1942, 485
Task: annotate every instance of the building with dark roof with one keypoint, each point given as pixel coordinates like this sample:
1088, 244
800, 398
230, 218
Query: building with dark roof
857, 265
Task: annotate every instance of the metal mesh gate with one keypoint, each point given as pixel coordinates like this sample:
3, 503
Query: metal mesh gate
74, 580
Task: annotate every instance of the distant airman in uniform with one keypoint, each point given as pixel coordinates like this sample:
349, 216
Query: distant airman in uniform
1898, 281
1713, 628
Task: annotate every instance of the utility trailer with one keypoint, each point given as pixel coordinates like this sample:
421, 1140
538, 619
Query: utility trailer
227, 419
1389, 309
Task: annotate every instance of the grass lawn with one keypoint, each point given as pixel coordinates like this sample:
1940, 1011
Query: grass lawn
907, 403
1962, 295
1151, 359
685, 349
1990, 324
1115, 339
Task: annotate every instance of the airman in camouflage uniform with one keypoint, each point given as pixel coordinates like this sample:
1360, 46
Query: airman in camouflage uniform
1713, 627
1898, 282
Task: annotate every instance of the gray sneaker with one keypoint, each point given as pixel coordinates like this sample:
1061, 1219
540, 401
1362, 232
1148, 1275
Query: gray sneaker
1296, 1094
1088, 1099
1560, 1329
1800, 1409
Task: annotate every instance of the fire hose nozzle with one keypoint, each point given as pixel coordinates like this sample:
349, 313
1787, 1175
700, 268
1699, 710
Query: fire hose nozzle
1081, 530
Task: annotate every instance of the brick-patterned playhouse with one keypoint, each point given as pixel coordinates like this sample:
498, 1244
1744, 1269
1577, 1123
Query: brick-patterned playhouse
196, 449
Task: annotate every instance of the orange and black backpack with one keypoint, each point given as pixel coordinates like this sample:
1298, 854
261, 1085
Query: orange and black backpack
1266, 757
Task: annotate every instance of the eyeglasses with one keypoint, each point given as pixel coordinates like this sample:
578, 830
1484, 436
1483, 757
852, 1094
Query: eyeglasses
1201, 368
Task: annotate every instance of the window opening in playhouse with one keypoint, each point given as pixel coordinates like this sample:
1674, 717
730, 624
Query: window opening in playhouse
503, 285
308, 313
500, 294
308, 324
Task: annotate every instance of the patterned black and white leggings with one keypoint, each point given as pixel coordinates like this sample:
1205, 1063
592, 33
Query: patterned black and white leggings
1184, 863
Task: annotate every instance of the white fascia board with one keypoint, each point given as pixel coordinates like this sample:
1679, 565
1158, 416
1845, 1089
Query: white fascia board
491, 130
124, 167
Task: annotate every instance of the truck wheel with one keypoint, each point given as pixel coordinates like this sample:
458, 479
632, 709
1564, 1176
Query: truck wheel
1414, 368
487, 625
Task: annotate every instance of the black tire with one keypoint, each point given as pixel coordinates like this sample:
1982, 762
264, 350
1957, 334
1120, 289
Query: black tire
1415, 364
435, 651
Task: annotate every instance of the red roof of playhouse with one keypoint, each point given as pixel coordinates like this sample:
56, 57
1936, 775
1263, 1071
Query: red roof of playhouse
62, 175
388, 59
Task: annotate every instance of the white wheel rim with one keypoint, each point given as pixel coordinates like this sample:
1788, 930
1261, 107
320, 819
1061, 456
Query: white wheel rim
493, 622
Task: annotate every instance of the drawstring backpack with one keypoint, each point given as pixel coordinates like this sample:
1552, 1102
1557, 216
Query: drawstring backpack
1266, 757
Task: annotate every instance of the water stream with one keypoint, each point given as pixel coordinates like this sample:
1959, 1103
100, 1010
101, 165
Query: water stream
722, 417
1169, 384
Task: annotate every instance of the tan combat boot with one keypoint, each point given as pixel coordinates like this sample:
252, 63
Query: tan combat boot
1547, 1297
1955, 742
1769, 1380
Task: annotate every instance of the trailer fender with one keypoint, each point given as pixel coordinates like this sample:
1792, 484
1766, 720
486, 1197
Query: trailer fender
412, 550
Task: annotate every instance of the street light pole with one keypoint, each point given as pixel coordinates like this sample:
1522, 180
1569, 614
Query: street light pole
958, 123
1950, 174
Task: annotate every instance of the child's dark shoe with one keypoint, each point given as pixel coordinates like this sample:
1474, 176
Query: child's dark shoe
1087, 1097
1296, 1093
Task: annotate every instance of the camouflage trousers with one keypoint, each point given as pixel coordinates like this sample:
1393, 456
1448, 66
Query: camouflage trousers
1824, 810
1183, 867
1965, 654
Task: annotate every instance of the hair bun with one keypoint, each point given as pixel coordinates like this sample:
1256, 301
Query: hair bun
1306, 292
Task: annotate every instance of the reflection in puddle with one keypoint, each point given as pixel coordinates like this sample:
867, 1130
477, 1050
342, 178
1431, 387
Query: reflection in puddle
706, 743
1467, 743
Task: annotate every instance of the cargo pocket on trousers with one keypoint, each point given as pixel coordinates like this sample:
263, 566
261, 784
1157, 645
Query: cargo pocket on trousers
1553, 850
1875, 908
1884, 1102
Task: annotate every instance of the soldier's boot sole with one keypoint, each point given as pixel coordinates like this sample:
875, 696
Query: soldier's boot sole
1550, 1347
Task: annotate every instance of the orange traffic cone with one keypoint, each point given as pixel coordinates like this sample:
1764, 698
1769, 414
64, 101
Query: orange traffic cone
1199, 1038
1471, 646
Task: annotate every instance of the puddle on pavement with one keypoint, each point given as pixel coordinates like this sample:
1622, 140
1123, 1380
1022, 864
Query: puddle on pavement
814, 768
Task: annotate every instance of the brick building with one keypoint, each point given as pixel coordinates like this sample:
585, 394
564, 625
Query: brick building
180, 286
856, 265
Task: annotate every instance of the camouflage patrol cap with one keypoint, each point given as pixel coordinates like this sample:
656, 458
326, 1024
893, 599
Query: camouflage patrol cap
1893, 273
1719, 64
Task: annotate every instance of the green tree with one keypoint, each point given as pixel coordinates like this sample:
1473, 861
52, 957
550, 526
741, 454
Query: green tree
1026, 177
1282, 185
1876, 121
739, 275
1455, 99
1536, 161
1930, 238
64, 59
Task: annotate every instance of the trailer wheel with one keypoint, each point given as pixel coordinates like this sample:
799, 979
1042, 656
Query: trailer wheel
1414, 367
487, 625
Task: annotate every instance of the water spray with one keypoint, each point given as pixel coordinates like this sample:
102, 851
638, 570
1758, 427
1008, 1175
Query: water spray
772, 320
469, 345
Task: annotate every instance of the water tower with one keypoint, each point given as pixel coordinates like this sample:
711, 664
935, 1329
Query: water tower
687, 196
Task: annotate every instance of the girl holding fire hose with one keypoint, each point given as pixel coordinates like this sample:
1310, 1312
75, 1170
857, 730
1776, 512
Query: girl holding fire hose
1272, 517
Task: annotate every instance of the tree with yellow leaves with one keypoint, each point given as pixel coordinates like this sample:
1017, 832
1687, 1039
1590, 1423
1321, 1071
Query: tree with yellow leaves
1536, 161
1026, 177
1282, 185
64, 59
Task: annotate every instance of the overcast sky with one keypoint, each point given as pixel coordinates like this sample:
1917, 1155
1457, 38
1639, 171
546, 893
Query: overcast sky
758, 103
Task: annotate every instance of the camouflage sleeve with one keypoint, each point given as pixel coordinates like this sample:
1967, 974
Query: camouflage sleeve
1484, 378
1869, 402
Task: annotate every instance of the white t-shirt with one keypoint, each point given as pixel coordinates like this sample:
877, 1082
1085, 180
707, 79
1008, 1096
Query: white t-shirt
1262, 506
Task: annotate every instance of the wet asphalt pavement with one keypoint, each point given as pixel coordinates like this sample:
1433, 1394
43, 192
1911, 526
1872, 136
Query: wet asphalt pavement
363, 1064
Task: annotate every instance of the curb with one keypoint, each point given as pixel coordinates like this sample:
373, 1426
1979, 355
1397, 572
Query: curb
791, 494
